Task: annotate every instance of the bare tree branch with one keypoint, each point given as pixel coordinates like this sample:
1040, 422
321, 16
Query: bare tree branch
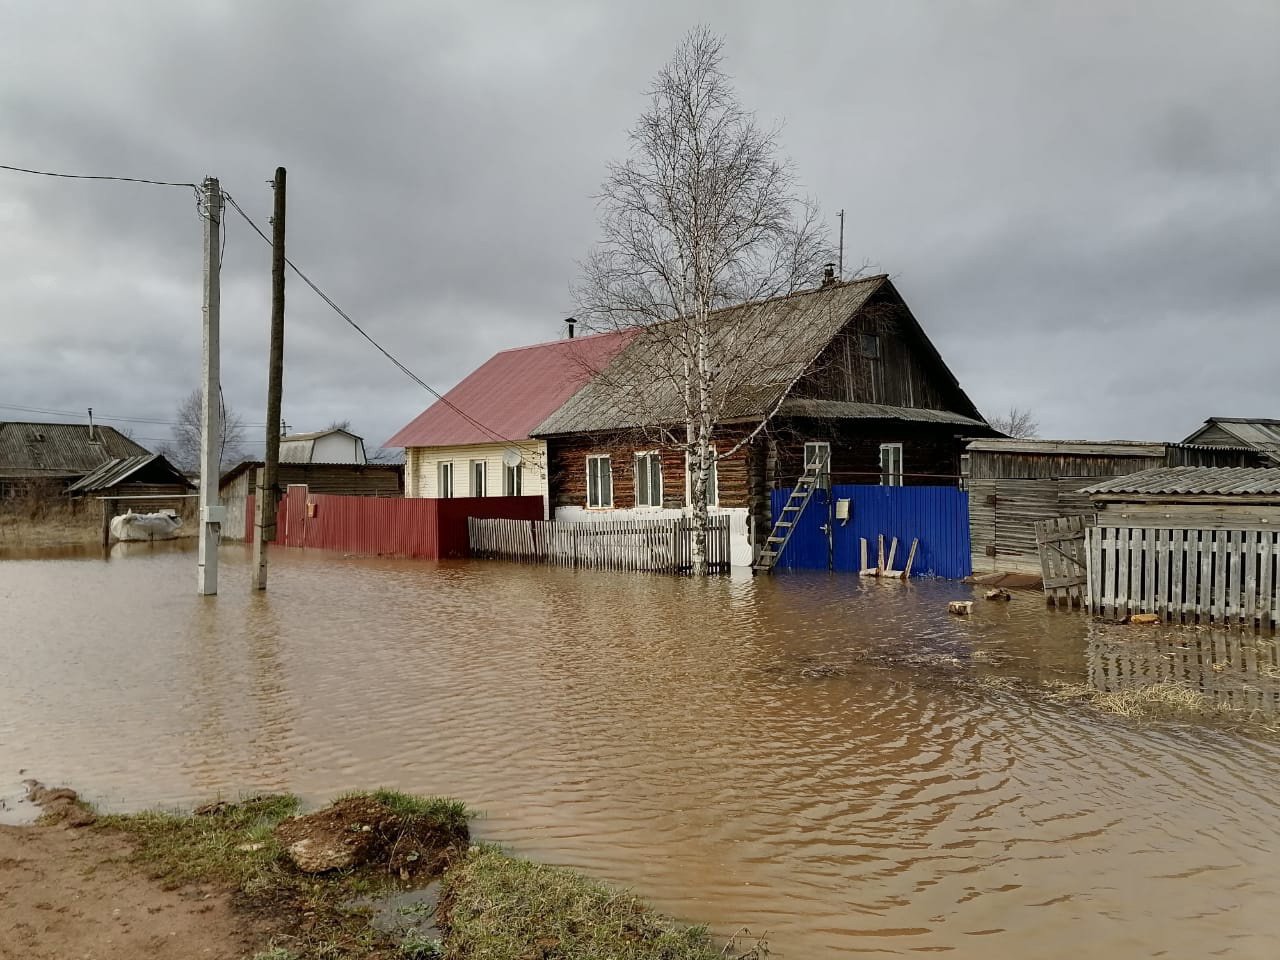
1019, 423
185, 449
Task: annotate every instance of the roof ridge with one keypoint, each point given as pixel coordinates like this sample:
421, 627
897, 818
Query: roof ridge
562, 340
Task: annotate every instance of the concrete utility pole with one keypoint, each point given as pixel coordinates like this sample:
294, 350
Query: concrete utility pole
268, 477
211, 513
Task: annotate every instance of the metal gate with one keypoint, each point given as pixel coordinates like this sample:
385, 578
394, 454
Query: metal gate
936, 516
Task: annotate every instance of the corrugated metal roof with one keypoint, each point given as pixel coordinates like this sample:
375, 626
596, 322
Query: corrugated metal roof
1259, 433
770, 343
1194, 481
111, 473
316, 434
512, 392
30, 449
846, 410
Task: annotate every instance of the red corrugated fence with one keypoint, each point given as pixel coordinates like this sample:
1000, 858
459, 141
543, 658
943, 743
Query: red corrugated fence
387, 526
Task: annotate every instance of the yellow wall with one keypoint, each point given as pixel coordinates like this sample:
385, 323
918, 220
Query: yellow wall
421, 473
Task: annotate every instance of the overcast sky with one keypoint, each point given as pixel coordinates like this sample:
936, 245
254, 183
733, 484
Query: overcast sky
1080, 200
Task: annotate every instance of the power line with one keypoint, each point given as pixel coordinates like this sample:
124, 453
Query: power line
154, 421
95, 176
379, 347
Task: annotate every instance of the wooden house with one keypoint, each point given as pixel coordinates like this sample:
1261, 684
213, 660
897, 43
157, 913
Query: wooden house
475, 442
51, 456
236, 487
843, 372
1014, 483
1260, 434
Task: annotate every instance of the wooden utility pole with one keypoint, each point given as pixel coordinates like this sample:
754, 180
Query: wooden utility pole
211, 389
268, 477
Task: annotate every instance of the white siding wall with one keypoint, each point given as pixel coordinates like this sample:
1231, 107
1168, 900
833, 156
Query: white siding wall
422, 474
337, 448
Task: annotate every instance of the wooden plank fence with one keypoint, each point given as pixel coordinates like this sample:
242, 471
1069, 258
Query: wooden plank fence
664, 545
1063, 566
1224, 577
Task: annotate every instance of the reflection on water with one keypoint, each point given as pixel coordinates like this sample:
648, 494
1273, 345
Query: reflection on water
788, 753
1239, 671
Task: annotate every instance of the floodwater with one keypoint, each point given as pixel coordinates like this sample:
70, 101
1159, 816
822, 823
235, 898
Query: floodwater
836, 762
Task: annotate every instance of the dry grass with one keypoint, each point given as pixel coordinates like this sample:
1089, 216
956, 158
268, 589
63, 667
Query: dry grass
1167, 701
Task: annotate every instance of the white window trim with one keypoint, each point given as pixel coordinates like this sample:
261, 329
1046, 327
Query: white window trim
713, 494
599, 456
441, 465
635, 465
484, 478
894, 480
513, 477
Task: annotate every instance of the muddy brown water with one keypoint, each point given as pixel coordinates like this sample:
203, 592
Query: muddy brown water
839, 763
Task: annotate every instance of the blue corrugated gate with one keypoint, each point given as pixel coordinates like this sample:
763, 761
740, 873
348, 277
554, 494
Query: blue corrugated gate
937, 516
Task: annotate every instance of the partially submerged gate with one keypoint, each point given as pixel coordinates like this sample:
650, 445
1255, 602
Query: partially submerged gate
1063, 559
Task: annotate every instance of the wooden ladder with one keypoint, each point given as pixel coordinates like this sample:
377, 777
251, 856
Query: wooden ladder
801, 494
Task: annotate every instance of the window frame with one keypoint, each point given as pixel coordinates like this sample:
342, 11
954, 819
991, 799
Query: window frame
825, 476
513, 480
444, 486
601, 505
643, 463
889, 477
478, 478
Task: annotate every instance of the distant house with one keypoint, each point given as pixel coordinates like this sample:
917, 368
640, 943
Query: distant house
346, 479
323, 446
843, 374
1261, 435
476, 441
149, 475
54, 455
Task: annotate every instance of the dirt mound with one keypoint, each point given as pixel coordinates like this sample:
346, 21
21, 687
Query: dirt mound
362, 831
60, 803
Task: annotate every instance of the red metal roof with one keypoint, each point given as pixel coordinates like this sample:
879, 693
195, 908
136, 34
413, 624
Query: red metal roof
512, 392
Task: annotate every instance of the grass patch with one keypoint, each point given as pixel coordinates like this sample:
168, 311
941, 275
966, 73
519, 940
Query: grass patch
442, 813
501, 908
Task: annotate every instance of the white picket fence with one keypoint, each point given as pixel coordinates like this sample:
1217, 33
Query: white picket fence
664, 545
1225, 577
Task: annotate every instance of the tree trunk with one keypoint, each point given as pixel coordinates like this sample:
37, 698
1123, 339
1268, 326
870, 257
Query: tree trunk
702, 455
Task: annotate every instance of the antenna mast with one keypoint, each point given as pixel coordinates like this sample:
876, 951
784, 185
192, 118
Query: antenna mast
840, 268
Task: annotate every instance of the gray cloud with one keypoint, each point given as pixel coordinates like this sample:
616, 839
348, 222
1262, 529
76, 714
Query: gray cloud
1081, 202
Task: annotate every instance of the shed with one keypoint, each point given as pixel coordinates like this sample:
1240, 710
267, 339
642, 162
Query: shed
33, 454
348, 479
149, 476
1013, 483
1259, 433
1187, 544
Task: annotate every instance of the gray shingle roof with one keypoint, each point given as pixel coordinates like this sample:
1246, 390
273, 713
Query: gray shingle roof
769, 343
60, 449
1193, 481
848, 410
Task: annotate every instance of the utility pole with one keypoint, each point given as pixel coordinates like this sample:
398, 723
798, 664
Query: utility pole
211, 514
268, 477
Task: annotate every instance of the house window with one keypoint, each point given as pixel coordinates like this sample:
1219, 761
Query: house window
445, 490
891, 464
713, 481
964, 471
869, 346
648, 480
816, 452
599, 482
513, 481
479, 488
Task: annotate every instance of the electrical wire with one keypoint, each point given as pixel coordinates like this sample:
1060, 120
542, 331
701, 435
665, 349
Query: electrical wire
154, 421
93, 176
379, 347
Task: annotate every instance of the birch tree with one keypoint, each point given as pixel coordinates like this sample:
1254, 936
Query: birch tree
703, 214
